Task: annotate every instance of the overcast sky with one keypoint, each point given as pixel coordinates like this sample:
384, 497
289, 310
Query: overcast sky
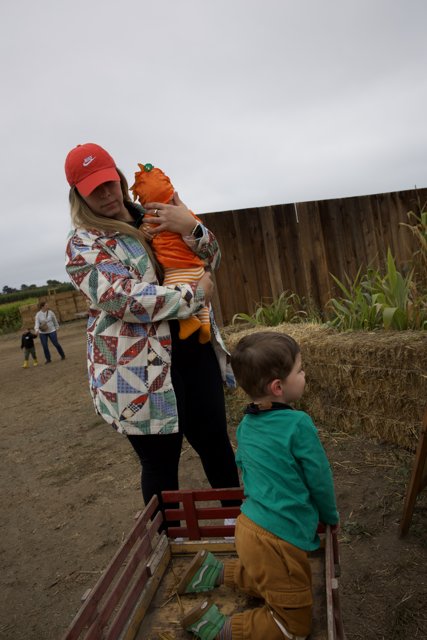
243, 103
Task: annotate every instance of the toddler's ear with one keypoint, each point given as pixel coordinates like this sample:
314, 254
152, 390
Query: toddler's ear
276, 387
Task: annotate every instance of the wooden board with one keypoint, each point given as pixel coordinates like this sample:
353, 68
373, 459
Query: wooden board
417, 482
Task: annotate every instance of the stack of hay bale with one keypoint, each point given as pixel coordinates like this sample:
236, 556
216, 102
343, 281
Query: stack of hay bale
67, 305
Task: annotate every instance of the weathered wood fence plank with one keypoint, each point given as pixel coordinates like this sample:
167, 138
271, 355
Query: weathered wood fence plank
296, 247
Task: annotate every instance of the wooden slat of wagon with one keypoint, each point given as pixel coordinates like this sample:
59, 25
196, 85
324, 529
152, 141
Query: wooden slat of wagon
339, 625
141, 592
333, 610
191, 514
89, 611
135, 566
329, 575
235, 493
418, 480
202, 530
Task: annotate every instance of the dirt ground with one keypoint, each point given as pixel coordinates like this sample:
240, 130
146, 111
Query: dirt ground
70, 490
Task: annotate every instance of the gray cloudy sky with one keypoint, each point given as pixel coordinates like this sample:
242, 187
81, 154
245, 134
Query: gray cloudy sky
243, 103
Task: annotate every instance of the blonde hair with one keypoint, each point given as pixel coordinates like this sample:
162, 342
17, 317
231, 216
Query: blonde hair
83, 217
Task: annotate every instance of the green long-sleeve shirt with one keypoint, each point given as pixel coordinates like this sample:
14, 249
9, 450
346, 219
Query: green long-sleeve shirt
286, 475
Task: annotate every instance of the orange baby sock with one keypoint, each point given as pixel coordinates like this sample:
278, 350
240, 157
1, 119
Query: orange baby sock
188, 326
205, 333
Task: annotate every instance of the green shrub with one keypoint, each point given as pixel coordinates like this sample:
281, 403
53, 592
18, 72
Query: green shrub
391, 294
10, 318
376, 301
286, 308
355, 309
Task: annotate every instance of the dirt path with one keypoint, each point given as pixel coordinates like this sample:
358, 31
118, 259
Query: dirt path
70, 490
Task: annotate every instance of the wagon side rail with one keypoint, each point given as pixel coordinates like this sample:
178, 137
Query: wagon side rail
107, 608
332, 573
183, 507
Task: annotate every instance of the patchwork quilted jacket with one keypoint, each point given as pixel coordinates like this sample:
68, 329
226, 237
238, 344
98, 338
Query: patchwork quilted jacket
129, 342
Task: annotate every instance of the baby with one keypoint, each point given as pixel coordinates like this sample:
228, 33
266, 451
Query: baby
179, 262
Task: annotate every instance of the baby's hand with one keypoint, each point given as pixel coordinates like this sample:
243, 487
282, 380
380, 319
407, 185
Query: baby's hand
206, 283
147, 230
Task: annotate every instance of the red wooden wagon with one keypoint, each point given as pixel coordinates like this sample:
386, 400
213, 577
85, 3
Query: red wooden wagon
135, 598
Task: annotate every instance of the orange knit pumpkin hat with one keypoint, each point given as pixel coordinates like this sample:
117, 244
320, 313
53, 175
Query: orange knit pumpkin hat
151, 185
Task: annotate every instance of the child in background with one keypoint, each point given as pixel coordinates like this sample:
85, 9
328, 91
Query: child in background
288, 489
179, 263
27, 343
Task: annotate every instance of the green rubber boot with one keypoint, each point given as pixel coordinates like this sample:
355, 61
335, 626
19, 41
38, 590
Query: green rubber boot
205, 621
201, 575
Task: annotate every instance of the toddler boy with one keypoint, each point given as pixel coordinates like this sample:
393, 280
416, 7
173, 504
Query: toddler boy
288, 489
27, 343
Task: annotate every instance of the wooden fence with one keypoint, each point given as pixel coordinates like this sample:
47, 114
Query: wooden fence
296, 247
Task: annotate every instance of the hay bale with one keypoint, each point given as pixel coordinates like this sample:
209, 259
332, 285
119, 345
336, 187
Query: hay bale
28, 312
374, 383
66, 310
81, 302
67, 316
63, 305
62, 295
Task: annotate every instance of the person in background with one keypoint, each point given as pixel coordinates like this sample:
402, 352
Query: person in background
27, 343
145, 382
179, 262
46, 325
288, 489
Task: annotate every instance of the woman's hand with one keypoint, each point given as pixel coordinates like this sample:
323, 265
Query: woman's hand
174, 216
206, 283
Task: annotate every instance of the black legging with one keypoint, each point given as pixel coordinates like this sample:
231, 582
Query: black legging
197, 383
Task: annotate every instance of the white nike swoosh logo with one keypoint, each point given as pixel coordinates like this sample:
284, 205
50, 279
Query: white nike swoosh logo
87, 161
200, 578
199, 626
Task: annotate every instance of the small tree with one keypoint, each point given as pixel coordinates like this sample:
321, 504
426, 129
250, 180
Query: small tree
7, 289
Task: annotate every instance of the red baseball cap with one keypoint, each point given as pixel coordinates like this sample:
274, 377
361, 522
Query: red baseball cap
89, 165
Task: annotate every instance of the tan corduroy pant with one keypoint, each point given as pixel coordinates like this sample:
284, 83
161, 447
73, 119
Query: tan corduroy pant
276, 571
